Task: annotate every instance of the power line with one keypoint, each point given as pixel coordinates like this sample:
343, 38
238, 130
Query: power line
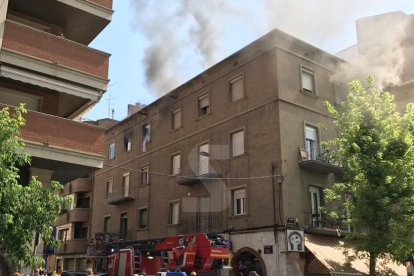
197, 177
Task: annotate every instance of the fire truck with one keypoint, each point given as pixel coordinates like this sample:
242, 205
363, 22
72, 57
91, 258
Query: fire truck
191, 252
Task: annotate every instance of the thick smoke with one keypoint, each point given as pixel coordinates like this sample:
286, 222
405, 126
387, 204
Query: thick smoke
380, 51
186, 34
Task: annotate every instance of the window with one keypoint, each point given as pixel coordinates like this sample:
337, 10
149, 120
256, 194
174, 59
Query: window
176, 119
128, 143
204, 105
111, 152
123, 224
237, 89
237, 143
146, 136
308, 80
203, 159
311, 142
107, 225
239, 201
175, 164
63, 234
174, 213
109, 184
143, 218
145, 175
125, 184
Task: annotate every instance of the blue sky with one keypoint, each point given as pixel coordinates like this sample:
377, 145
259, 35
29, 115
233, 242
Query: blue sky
184, 37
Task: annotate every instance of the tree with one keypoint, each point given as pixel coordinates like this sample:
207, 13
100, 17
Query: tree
24, 210
376, 195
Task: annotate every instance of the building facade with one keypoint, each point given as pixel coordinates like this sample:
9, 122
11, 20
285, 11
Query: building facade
235, 150
47, 65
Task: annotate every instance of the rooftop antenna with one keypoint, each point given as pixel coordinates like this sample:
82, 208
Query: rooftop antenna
110, 101
113, 112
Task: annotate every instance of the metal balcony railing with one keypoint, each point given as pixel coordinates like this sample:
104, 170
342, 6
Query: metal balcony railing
314, 220
313, 156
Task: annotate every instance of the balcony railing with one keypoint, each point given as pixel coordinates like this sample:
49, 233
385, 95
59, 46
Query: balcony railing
76, 246
118, 197
314, 157
74, 215
58, 50
322, 221
188, 177
202, 223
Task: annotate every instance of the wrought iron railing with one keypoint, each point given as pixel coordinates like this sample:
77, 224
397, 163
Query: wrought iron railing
314, 220
314, 151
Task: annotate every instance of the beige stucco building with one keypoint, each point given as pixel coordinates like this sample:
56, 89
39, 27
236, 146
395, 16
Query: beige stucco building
235, 150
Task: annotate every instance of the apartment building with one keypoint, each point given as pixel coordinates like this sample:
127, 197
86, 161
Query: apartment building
235, 150
46, 64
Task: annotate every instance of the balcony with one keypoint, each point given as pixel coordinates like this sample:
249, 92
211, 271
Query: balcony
77, 246
82, 20
319, 222
203, 223
313, 157
55, 62
68, 148
78, 186
74, 215
119, 197
188, 177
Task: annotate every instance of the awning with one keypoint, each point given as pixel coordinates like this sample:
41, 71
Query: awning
328, 257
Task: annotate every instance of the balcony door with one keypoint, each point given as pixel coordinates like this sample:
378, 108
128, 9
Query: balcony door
315, 200
203, 214
311, 142
203, 159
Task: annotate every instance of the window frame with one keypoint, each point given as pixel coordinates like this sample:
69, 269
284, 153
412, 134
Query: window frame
200, 109
234, 201
126, 185
171, 206
111, 181
312, 151
309, 72
145, 136
128, 144
232, 142
105, 220
200, 158
147, 178
231, 83
111, 151
174, 126
174, 170
140, 225
121, 217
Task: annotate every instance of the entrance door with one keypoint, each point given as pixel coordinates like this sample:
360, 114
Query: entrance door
203, 214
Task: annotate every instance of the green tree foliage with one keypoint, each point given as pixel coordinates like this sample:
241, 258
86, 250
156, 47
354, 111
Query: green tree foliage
376, 195
24, 210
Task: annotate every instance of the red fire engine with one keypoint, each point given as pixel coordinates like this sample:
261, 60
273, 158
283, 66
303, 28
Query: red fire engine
187, 253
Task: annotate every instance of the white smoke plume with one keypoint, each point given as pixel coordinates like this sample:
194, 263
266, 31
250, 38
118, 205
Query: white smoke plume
380, 51
184, 34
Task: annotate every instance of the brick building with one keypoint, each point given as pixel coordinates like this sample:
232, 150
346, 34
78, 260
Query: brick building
46, 64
